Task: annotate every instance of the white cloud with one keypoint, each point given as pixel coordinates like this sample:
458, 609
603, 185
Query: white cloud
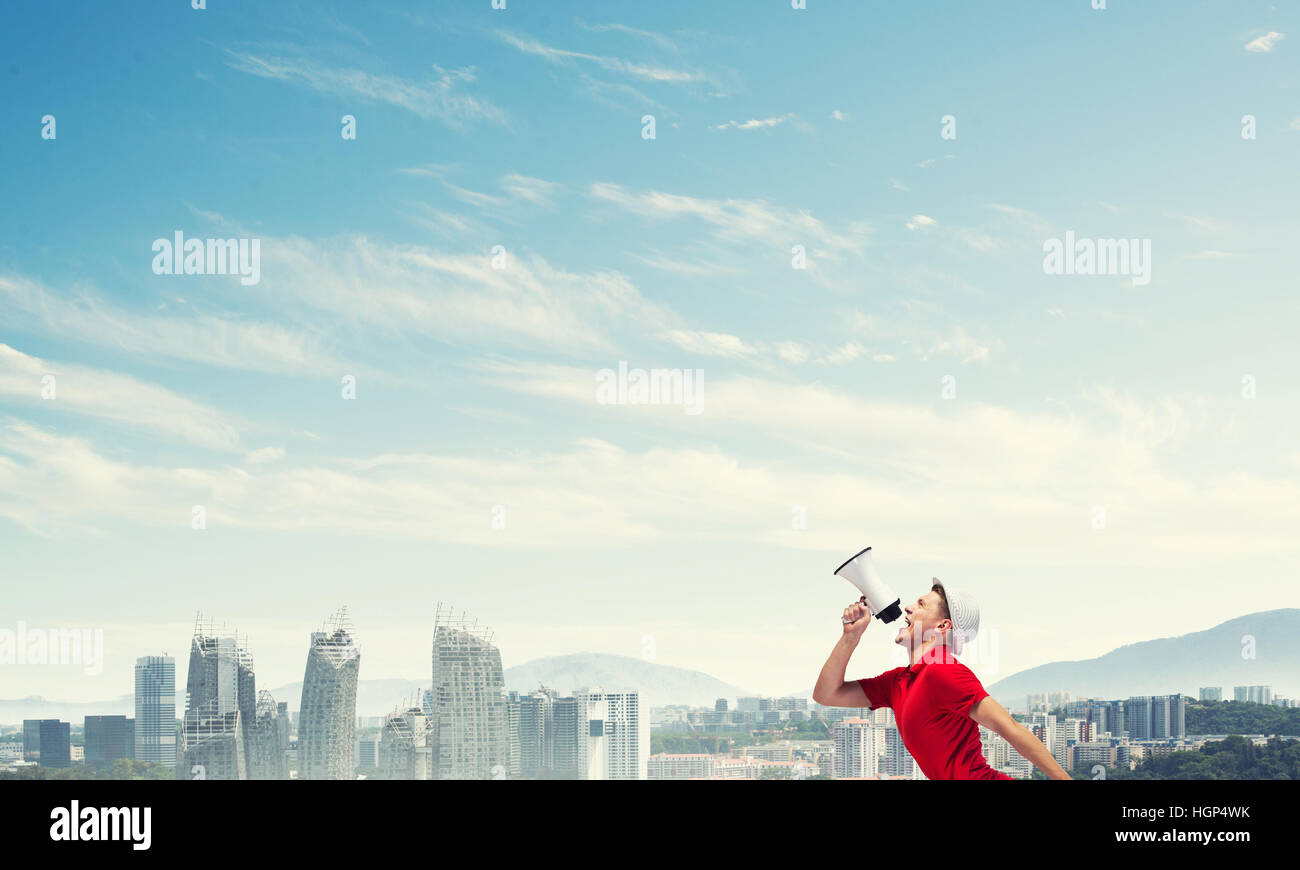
195, 337
646, 72
534, 190
848, 353
440, 98
839, 116
421, 290
112, 397
1265, 42
754, 123
648, 35
925, 340
792, 352
738, 219
709, 343
264, 455
919, 221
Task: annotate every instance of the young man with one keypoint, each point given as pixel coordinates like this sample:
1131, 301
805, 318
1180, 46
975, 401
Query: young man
937, 701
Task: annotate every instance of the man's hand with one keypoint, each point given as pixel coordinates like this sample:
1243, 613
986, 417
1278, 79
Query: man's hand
855, 619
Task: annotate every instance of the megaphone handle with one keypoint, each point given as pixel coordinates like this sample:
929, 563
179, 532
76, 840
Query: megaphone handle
862, 600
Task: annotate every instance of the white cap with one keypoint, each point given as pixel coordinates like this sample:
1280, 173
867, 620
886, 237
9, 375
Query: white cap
965, 613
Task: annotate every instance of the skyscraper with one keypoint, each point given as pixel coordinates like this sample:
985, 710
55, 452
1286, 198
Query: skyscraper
617, 736
56, 743
267, 740
220, 700
405, 745
855, 749
471, 733
155, 710
327, 718
108, 738
536, 734
31, 739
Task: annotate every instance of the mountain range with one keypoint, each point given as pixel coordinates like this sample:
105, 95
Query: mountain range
1253, 650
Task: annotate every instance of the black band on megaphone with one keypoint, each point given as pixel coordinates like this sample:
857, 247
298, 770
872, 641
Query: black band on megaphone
892, 612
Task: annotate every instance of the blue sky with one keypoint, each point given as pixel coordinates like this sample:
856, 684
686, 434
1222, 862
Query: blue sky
642, 530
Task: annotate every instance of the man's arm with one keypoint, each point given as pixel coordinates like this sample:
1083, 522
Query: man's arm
994, 717
831, 690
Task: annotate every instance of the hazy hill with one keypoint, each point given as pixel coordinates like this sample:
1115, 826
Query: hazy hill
658, 684
1177, 664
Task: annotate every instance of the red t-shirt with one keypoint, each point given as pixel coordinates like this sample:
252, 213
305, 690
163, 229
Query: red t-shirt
932, 701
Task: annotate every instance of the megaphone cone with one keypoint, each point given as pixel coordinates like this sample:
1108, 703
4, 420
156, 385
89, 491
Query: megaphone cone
882, 601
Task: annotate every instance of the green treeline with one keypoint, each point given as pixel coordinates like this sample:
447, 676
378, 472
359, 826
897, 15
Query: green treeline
120, 769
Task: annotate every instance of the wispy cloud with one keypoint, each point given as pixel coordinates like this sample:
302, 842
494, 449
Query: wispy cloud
534, 190
648, 35
1265, 42
519, 301
226, 342
737, 219
709, 343
755, 123
441, 98
113, 397
645, 72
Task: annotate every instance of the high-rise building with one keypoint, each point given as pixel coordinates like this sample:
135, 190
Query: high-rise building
405, 745
368, 753
897, 760
1177, 715
56, 743
31, 740
1211, 693
537, 734
1138, 716
267, 740
328, 715
1156, 717
220, 703
566, 718
471, 729
513, 766
108, 738
855, 753
155, 710
1107, 716
1253, 694
616, 743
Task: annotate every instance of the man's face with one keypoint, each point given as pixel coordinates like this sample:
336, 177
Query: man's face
920, 619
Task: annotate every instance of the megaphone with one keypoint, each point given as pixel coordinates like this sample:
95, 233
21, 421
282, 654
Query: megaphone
881, 600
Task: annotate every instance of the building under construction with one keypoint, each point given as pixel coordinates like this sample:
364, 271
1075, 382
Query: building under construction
327, 719
267, 739
470, 727
406, 745
219, 704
